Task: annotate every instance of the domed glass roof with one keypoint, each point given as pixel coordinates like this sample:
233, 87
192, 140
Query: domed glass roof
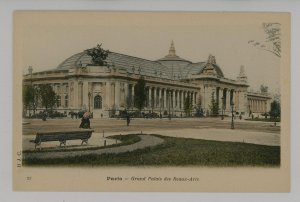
171, 66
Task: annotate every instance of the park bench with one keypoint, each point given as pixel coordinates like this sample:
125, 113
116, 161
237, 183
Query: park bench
62, 137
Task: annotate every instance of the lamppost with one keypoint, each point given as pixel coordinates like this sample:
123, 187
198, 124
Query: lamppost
89, 94
249, 111
222, 109
232, 124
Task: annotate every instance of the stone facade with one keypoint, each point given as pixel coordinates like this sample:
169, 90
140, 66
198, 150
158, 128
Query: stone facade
101, 89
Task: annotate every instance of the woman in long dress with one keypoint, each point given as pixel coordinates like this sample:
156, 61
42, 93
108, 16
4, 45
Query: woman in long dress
85, 121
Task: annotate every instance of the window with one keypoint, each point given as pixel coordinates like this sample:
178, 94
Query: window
66, 101
58, 101
98, 102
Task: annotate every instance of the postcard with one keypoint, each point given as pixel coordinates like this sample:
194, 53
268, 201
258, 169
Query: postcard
151, 101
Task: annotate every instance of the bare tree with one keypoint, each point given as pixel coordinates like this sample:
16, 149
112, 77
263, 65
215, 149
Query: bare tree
272, 41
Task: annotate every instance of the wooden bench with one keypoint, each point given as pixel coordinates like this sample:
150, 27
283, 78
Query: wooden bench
62, 137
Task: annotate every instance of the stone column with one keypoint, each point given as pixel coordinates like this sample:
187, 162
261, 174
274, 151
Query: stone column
178, 100
70, 94
233, 100
75, 95
62, 95
203, 97
255, 105
268, 105
112, 95
150, 100
155, 98
194, 98
117, 94
208, 97
172, 99
85, 94
228, 100
80, 99
126, 94
260, 104
107, 94
165, 99
237, 98
181, 99
159, 98
220, 98
132, 92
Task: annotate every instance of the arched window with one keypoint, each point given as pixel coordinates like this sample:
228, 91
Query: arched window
98, 102
66, 101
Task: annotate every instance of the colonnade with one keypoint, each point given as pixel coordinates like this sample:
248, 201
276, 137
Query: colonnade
224, 97
121, 94
257, 105
118, 94
164, 97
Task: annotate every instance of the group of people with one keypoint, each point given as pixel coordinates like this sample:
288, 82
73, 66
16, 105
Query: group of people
85, 120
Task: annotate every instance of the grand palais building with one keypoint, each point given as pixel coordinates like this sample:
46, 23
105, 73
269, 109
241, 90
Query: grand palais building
169, 80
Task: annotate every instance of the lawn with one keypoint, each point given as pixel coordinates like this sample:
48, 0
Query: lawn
179, 152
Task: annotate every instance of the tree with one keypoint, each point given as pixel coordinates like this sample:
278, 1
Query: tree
28, 97
47, 96
188, 105
272, 31
199, 110
98, 55
272, 42
275, 109
128, 101
140, 94
214, 108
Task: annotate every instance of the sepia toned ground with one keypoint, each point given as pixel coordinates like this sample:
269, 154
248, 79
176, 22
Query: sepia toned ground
263, 133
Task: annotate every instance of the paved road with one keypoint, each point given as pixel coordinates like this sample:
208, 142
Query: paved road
147, 125
204, 128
